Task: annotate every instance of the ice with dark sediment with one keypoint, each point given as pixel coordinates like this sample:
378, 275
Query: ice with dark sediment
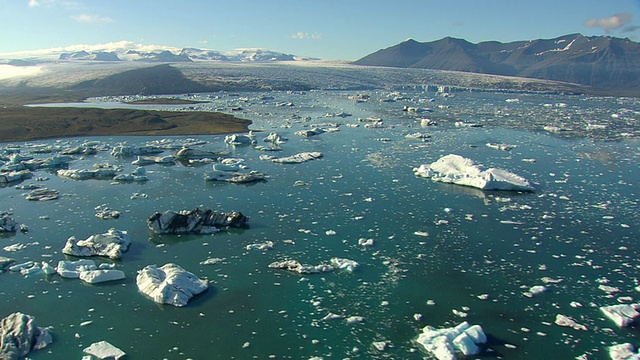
7, 223
19, 336
112, 244
42, 194
169, 284
194, 221
456, 169
297, 267
235, 177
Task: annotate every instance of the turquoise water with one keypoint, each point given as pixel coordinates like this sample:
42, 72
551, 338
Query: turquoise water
580, 227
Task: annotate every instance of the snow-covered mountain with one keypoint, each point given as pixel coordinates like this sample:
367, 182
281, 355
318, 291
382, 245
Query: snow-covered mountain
128, 51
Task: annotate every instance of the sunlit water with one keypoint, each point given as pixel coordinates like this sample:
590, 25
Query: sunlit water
579, 228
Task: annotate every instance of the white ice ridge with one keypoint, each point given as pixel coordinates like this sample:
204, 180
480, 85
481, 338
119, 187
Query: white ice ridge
456, 169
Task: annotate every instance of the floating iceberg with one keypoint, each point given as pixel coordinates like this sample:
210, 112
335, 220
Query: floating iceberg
240, 139
72, 269
11, 176
189, 153
99, 171
111, 244
293, 159
102, 275
296, 267
149, 160
7, 224
445, 343
19, 336
624, 351
235, 177
623, 315
138, 175
458, 170
42, 194
128, 150
274, 138
104, 350
169, 284
345, 264
194, 221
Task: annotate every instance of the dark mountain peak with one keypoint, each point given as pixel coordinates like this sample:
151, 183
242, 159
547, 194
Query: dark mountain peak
603, 62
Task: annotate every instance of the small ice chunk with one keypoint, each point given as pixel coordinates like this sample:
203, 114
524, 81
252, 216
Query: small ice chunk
104, 350
565, 321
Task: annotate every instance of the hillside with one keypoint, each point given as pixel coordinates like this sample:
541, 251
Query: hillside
603, 62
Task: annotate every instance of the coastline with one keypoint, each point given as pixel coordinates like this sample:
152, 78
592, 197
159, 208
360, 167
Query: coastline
21, 123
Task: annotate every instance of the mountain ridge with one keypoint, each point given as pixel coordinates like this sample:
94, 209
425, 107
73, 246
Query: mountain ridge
602, 62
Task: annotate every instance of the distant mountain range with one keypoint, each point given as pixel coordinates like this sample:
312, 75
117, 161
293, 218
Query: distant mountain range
603, 62
127, 51
185, 55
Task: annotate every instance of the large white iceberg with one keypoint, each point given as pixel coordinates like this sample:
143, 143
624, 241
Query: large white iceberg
445, 343
111, 244
169, 284
456, 169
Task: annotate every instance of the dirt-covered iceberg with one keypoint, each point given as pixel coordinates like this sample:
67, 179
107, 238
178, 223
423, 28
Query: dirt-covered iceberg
194, 221
456, 169
19, 336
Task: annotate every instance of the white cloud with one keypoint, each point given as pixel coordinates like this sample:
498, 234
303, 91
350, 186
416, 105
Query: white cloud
50, 3
304, 35
610, 23
91, 19
54, 53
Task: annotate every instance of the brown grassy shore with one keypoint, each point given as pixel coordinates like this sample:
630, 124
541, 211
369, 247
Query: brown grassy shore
21, 123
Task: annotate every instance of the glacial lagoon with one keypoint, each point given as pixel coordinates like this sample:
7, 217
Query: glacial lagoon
429, 253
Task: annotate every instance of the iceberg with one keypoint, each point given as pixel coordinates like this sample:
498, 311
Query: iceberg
194, 221
111, 244
240, 139
148, 160
19, 336
235, 177
296, 267
444, 343
345, 264
7, 224
189, 153
99, 171
104, 350
293, 159
42, 194
128, 150
169, 284
73, 269
138, 175
456, 169
624, 351
623, 315
102, 275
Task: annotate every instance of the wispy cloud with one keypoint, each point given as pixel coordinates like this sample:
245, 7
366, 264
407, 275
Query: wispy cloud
91, 19
304, 35
610, 23
50, 3
36, 3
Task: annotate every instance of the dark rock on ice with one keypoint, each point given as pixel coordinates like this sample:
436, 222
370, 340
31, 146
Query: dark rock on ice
19, 336
194, 221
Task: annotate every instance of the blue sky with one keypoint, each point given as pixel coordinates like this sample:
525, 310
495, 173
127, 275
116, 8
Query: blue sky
328, 29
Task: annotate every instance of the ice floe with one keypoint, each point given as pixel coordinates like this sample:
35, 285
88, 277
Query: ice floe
624, 351
19, 335
101, 275
169, 284
235, 177
445, 343
104, 350
623, 314
566, 321
293, 159
297, 267
99, 171
458, 170
194, 221
111, 244
42, 194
